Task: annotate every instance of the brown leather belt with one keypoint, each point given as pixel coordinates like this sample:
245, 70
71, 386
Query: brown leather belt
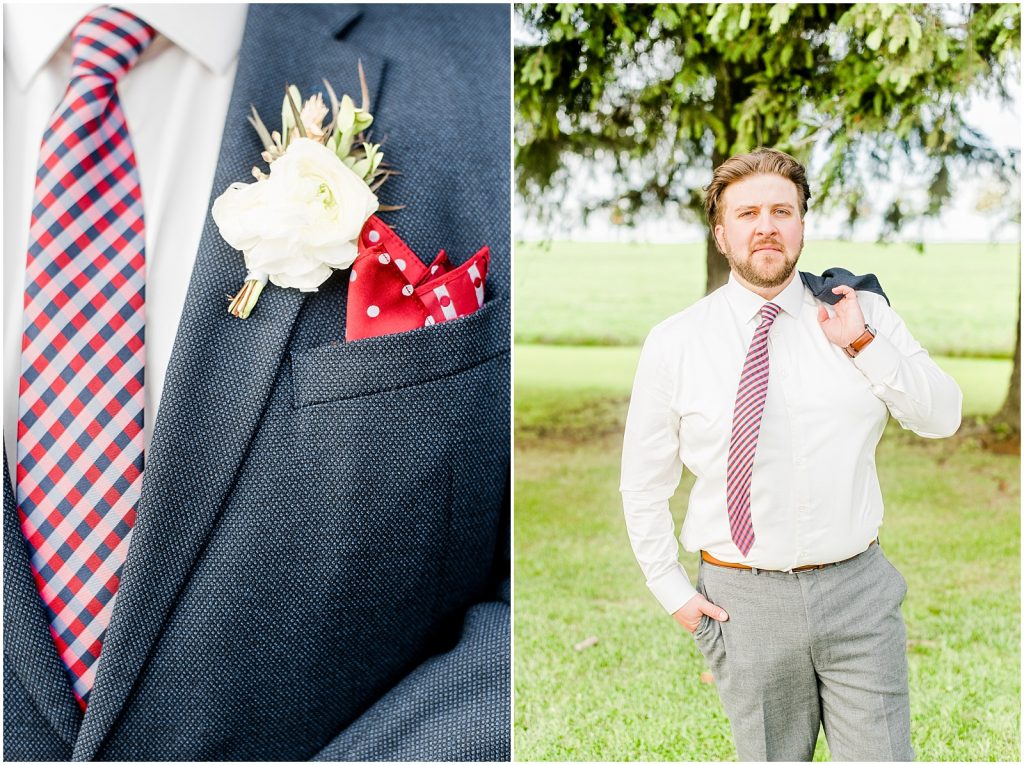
708, 558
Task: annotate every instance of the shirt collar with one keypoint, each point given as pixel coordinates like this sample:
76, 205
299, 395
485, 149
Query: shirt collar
33, 32
748, 304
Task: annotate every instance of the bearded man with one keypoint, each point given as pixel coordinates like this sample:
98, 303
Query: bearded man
774, 391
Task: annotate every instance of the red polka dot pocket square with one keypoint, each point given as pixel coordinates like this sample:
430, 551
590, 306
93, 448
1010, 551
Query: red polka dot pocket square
390, 289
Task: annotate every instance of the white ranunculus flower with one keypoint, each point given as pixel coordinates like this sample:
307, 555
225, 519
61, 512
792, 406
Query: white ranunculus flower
301, 221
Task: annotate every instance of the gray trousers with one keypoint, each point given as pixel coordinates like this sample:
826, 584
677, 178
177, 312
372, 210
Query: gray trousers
824, 647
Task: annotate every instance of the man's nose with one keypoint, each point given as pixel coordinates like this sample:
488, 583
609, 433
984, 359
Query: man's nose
765, 224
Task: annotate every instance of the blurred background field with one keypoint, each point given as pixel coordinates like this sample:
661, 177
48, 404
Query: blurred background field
952, 523
575, 293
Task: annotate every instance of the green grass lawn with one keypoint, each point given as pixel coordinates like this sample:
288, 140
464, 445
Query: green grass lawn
952, 522
984, 382
952, 528
612, 294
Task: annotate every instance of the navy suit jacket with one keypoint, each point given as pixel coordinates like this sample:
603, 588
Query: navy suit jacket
319, 565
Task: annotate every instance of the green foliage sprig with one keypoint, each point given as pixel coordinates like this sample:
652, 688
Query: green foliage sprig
344, 134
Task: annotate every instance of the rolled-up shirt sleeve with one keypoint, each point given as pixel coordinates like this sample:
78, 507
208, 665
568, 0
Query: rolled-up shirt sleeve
651, 469
918, 394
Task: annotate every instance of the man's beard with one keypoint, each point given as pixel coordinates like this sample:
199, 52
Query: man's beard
776, 276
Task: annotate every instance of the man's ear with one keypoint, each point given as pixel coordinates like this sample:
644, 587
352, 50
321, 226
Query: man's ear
720, 237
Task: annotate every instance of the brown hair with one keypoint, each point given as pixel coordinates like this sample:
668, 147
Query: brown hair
761, 161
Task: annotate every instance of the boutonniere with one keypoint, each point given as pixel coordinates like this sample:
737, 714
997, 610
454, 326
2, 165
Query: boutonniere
302, 218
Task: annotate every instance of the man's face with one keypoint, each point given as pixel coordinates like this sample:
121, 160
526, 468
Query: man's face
761, 232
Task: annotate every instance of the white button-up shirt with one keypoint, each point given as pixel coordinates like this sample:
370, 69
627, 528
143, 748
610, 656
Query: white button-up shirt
814, 494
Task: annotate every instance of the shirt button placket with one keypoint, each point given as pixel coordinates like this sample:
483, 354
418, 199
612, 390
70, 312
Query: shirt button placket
802, 518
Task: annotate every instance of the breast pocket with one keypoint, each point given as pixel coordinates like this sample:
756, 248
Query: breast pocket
409, 434
340, 371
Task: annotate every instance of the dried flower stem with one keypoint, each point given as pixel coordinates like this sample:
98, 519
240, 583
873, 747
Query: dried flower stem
241, 305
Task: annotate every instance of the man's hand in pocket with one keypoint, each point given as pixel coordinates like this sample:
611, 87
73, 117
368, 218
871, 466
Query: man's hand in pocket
689, 615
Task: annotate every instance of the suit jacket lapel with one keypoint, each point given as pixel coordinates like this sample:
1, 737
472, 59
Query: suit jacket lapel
28, 643
221, 368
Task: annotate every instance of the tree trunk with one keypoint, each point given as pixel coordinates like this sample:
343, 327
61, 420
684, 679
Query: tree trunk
717, 265
1007, 421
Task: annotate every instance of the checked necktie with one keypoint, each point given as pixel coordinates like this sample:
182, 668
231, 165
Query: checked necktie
746, 425
80, 400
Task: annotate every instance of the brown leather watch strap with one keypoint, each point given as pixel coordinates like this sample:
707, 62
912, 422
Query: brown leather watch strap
861, 342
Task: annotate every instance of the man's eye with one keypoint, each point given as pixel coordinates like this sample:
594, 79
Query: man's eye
782, 212
746, 214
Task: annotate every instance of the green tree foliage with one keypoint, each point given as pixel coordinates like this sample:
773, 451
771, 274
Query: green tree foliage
665, 92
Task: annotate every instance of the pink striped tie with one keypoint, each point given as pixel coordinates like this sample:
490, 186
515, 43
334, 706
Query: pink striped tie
80, 401
746, 424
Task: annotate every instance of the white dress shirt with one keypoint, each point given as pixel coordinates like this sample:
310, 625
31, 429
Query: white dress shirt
175, 100
814, 494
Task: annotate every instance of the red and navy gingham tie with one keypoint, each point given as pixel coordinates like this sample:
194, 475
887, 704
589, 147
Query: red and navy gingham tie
80, 400
746, 425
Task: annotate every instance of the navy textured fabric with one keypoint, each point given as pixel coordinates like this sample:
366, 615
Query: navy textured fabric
319, 566
821, 286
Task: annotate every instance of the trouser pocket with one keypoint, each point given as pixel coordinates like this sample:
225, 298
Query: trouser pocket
708, 635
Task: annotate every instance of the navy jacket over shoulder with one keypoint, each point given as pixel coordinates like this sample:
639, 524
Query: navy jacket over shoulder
318, 568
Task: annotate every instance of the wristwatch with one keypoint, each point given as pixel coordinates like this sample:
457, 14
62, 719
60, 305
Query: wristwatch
861, 342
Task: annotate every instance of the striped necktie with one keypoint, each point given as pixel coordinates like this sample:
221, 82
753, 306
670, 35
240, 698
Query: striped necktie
80, 400
746, 425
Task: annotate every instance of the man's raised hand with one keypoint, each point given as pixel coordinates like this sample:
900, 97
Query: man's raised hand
848, 323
